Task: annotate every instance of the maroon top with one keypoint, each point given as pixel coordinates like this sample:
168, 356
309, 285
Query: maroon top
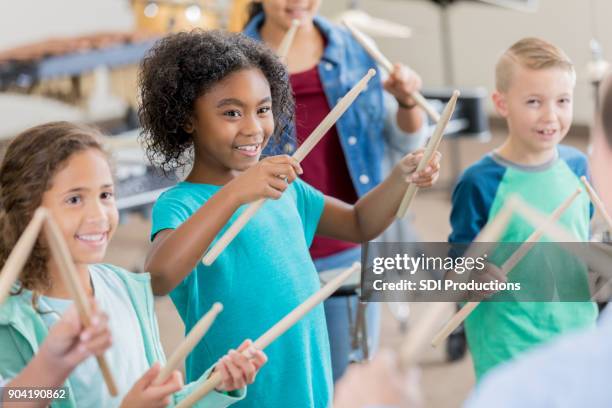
325, 166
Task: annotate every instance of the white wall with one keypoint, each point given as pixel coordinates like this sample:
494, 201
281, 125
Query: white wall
23, 21
479, 32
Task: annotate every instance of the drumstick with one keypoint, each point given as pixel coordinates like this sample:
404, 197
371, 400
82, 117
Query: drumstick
417, 337
535, 217
490, 233
275, 331
508, 265
535, 236
597, 201
61, 255
299, 155
195, 335
20, 253
598, 254
371, 49
285, 45
432, 146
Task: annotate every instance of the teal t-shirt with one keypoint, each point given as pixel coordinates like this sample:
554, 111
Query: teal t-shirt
263, 274
499, 331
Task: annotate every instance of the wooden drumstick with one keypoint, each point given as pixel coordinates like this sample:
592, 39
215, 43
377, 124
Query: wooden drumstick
598, 254
535, 217
374, 52
535, 236
195, 335
597, 201
432, 146
490, 233
285, 45
61, 255
299, 155
419, 334
20, 253
275, 331
508, 265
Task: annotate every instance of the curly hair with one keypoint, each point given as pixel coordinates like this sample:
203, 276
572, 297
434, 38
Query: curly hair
184, 66
30, 162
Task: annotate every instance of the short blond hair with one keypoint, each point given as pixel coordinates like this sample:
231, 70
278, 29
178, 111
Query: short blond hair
531, 53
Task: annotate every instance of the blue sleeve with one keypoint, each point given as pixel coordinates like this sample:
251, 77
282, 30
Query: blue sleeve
396, 138
472, 199
469, 212
168, 213
310, 202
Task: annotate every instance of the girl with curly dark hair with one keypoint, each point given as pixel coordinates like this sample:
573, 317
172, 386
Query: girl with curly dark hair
224, 96
63, 168
185, 66
366, 142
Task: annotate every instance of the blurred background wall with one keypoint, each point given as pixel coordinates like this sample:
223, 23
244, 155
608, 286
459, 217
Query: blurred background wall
479, 32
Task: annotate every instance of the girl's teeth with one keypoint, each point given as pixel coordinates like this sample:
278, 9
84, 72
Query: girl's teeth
251, 148
92, 238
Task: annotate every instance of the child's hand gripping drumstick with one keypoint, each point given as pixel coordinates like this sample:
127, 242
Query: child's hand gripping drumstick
299, 155
432, 146
285, 45
61, 255
510, 263
597, 201
388, 66
419, 334
67, 344
195, 335
275, 331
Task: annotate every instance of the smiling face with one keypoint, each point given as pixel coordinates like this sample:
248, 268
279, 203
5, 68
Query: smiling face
538, 107
232, 124
82, 202
282, 12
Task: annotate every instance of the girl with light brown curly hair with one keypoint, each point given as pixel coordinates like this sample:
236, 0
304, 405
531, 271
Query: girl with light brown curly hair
63, 167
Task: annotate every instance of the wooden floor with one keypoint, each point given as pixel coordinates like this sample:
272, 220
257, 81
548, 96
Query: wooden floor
444, 384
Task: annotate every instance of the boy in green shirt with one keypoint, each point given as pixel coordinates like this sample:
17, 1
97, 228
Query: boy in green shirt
534, 92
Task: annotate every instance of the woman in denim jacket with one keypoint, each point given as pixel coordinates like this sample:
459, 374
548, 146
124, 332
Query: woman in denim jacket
324, 62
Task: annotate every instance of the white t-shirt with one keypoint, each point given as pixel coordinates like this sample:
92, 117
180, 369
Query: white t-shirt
126, 357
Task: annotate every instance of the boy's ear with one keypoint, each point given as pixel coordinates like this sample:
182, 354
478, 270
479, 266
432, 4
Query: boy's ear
499, 101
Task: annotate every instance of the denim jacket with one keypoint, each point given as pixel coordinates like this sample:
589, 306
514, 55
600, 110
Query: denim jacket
368, 127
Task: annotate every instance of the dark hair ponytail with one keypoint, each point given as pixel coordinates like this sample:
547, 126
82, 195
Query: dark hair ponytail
253, 9
606, 113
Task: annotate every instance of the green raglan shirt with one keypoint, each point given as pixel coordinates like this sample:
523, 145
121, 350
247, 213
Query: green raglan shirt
498, 331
